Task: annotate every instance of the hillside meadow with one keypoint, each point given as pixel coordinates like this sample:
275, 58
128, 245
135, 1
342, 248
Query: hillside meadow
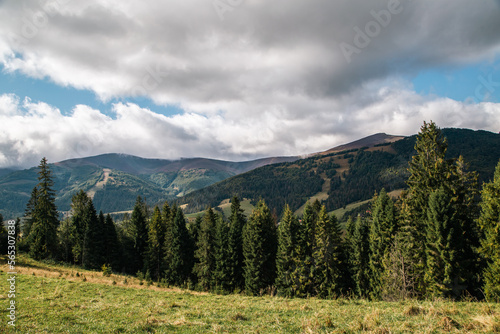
60, 299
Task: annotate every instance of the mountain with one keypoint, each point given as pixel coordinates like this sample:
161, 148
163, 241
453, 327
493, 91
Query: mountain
345, 174
115, 180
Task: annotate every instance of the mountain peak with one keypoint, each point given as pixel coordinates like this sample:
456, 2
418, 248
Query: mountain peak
370, 141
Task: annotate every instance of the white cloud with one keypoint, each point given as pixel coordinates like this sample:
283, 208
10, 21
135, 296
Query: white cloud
32, 130
269, 79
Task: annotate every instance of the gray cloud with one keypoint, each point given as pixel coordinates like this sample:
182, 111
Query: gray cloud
270, 78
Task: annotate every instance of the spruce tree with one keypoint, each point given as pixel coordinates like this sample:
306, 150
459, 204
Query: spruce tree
112, 253
42, 239
286, 253
79, 204
178, 251
259, 250
360, 257
156, 239
489, 221
29, 214
440, 254
329, 257
382, 230
235, 245
428, 171
93, 247
205, 251
221, 277
140, 234
303, 275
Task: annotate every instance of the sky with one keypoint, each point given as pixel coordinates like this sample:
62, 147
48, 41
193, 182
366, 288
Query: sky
238, 79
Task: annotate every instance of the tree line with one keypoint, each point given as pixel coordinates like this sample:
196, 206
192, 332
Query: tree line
440, 239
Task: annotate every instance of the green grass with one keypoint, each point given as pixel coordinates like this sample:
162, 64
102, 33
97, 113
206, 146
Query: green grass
55, 300
225, 206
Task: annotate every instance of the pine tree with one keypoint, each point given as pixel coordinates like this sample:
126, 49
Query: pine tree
42, 239
156, 239
93, 246
235, 245
79, 205
221, 276
205, 251
178, 252
29, 213
382, 230
329, 257
303, 275
360, 257
259, 250
440, 254
428, 171
285, 256
112, 254
489, 221
140, 234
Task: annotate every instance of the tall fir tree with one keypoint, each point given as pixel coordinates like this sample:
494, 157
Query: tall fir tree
43, 233
383, 229
286, 253
330, 273
221, 276
489, 221
140, 234
303, 275
93, 246
360, 257
235, 245
428, 171
178, 252
156, 240
259, 250
29, 215
112, 253
440, 253
79, 205
205, 251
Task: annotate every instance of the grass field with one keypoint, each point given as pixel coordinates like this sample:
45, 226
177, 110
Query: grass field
54, 299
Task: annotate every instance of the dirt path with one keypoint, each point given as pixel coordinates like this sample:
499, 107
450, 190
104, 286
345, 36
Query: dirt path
99, 185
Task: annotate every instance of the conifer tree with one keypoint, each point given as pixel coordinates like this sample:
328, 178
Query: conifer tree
360, 257
428, 171
205, 251
303, 275
29, 214
440, 253
489, 221
221, 277
93, 245
140, 234
79, 205
178, 251
259, 250
42, 239
286, 253
329, 257
382, 231
235, 245
112, 254
156, 239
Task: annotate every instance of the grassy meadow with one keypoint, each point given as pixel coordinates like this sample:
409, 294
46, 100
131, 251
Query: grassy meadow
61, 299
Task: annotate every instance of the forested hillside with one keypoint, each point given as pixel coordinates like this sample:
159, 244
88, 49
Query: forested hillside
115, 180
346, 176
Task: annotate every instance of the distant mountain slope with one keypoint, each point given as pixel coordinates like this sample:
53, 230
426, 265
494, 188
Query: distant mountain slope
370, 141
340, 177
115, 180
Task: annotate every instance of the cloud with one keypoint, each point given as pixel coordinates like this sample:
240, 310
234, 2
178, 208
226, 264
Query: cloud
184, 53
261, 78
31, 130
